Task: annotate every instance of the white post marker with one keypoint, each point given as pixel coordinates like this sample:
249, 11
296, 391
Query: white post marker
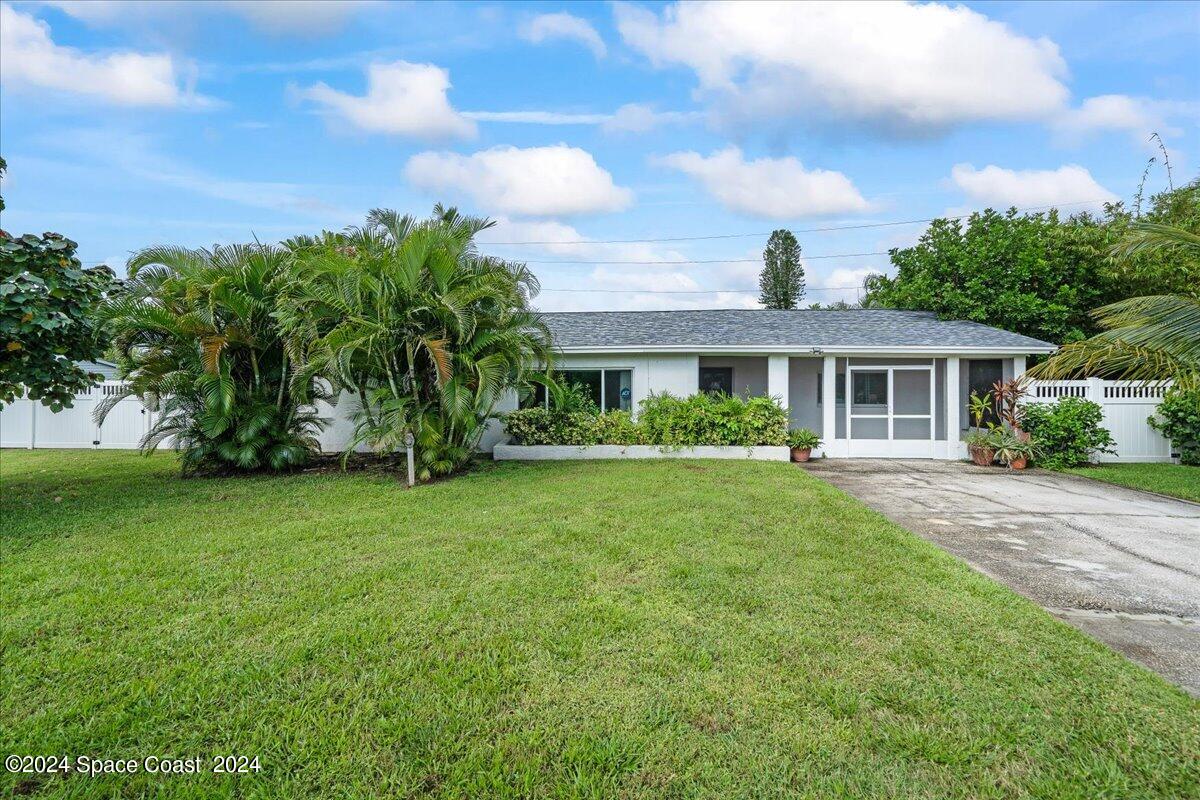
408, 442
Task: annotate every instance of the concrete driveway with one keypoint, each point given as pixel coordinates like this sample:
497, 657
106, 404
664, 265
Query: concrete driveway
1120, 565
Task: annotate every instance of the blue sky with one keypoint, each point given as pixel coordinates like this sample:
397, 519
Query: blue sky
128, 124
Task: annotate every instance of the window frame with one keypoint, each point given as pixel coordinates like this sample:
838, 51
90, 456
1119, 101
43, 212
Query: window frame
603, 371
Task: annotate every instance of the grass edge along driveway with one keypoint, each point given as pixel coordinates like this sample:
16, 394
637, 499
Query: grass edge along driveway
631, 629
1174, 480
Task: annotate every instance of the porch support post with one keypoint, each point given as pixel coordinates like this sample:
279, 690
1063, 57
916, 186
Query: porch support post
829, 404
777, 380
953, 420
1018, 367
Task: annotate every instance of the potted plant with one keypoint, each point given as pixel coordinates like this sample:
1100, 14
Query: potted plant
979, 441
980, 446
802, 441
1011, 448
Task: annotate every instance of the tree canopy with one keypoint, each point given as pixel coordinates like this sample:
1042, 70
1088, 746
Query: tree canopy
1038, 274
781, 281
47, 320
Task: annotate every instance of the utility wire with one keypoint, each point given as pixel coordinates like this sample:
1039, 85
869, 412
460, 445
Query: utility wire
705, 261
691, 291
768, 233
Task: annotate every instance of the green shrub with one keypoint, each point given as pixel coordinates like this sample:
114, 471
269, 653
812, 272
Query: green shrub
1178, 419
804, 438
1068, 433
703, 419
663, 420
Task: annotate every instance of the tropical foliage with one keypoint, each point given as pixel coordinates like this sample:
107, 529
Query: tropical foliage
195, 332
1069, 432
47, 322
1178, 418
424, 331
663, 420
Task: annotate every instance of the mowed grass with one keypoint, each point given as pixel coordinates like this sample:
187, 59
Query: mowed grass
623, 629
1176, 480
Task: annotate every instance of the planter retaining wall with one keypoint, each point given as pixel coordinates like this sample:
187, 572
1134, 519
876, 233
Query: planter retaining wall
547, 452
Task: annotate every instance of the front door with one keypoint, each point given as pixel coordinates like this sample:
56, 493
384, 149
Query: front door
890, 411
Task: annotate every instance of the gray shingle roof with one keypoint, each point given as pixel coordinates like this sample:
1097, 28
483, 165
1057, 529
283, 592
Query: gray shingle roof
803, 328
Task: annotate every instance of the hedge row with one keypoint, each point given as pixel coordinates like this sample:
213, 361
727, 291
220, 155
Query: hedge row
663, 419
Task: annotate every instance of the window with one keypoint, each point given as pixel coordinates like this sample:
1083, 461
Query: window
716, 380
840, 385
609, 389
870, 388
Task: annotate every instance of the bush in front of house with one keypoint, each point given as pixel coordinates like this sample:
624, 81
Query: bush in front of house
663, 419
705, 419
1068, 433
1178, 419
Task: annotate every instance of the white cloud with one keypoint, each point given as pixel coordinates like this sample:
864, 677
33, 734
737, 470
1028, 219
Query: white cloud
999, 187
538, 117
776, 188
30, 58
546, 27
1137, 116
535, 182
279, 17
402, 98
898, 66
843, 283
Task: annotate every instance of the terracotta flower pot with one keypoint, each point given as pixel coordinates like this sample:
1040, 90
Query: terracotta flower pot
801, 453
1018, 463
982, 456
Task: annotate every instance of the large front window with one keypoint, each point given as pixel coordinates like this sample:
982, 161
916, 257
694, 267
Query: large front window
609, 389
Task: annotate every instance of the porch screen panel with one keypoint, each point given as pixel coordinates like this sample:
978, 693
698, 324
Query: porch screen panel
909, 428
911, 390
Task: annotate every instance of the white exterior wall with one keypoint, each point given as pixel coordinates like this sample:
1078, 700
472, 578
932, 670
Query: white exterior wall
678, 374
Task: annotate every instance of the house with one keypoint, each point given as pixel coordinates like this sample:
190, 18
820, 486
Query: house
906, 375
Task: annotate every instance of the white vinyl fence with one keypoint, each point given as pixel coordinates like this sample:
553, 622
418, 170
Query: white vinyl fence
28, 423
1126, 407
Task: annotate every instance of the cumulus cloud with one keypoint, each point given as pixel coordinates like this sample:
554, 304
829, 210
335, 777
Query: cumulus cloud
1137, 116
402, 98
30, 58
558, 180
896, 66
999, 187
775, 188
547, 27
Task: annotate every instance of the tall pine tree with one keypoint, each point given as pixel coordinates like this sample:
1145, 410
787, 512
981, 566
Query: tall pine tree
781, 281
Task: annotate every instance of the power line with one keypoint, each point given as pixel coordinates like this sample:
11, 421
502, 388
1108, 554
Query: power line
689, 291
768, 233
705, 261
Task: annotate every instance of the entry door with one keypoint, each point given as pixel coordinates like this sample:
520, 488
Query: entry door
890, 411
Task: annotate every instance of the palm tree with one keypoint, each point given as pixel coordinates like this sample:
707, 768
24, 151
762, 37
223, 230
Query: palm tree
1144, 338
195, 333
425, 331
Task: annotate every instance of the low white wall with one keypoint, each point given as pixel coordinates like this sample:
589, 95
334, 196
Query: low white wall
549, 452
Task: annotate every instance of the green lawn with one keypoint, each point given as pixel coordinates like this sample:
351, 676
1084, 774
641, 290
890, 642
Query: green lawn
1173, 479
623, 629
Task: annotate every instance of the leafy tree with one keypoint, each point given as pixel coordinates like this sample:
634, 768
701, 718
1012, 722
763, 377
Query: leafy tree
1032, 274
195, 331
1153, 255
781, 281
428, 333
47, 301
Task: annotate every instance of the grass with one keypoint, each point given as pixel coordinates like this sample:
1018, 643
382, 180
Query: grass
621, 629
1176, 480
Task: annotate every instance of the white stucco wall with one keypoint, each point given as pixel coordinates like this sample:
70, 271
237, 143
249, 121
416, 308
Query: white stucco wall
678, 374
